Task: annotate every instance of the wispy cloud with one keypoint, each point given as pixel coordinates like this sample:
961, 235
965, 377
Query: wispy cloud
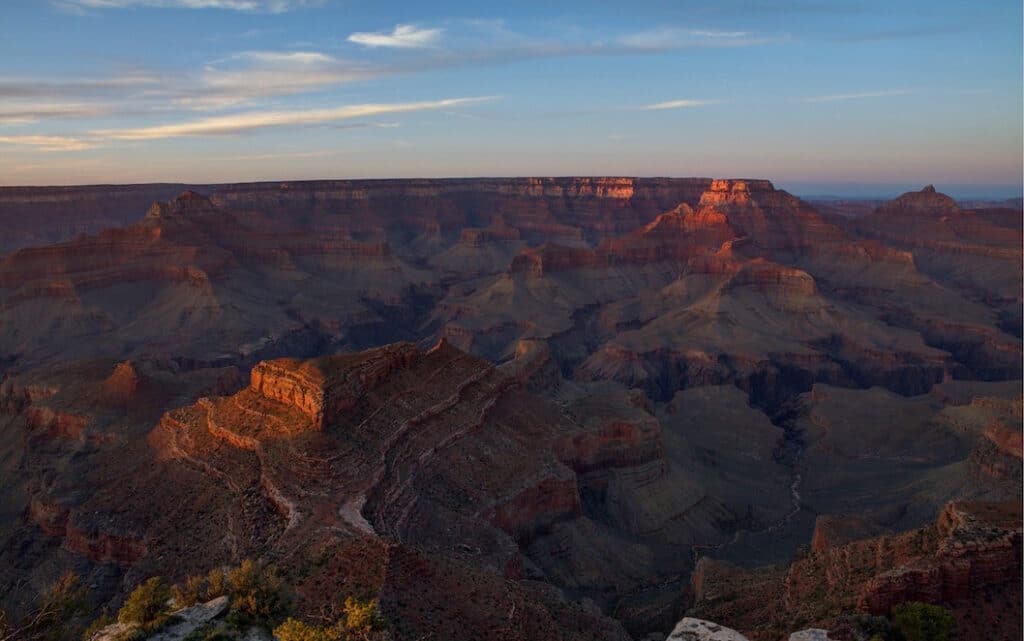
679, 104
287, 57
34, 113
403, 36
253, 80
16, 88
247, 78
240, 79
255, 6
256, 74
48, 143
706, 33
855, 96
669, 38
255, 120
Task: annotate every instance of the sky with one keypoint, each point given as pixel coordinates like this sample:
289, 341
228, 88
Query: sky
820, 94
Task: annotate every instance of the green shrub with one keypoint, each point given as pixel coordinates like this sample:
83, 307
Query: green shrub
188, 594
216, 584
255, 593
147, 606
915, 621
295, 630
363, 616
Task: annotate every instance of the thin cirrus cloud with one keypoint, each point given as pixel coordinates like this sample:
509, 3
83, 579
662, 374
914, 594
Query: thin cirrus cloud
233, 81
253, 6
492, 40
258, 74
130, 82
855, 96
678, 104
48, 143
252, 121
34, 113
669, 38
403, 36
246, 77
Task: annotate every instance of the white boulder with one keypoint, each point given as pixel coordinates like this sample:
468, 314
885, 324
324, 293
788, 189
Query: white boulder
690, 629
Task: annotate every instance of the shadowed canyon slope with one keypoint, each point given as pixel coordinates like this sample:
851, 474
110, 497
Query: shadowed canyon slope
516, 408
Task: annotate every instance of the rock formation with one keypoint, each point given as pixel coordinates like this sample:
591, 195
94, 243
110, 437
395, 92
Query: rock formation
186, 621
33, 216
972, 551
690, 629
523, 408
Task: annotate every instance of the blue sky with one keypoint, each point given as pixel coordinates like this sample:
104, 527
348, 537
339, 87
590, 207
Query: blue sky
799, 91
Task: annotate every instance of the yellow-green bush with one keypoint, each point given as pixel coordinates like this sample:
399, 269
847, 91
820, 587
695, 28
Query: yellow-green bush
255, 593
216, 583
363, 616
295, 630
147, 605
188, 593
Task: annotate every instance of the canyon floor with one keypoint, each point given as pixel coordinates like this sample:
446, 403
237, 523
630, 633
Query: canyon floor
544, 408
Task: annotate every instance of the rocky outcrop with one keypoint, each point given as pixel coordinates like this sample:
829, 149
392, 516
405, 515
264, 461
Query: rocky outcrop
15, 396
323, 388
811, 634
783, 283
534, 366
537, 507
119, 388
678, 235
621, 443
298, 386
772, 219
32, 216
980, 547
556, 206
91, 542
833, 530
616, 442
105, 547
552, 258
972, 549
56, 423
690, 629
189, 203
184, 622
958, 248
924, 202
477, 237
1004, 433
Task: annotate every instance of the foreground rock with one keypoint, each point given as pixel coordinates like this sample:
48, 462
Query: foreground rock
183, 623
813, 634
690, 629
